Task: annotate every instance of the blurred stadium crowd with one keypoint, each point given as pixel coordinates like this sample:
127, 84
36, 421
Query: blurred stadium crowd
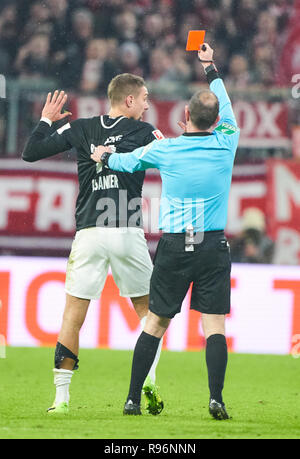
82, 44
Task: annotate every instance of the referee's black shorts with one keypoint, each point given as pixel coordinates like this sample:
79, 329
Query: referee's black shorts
208, 268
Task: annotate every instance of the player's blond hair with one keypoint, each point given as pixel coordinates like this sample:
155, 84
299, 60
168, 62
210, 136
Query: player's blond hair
124, 85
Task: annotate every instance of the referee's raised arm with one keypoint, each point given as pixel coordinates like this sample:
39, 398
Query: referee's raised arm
217, 86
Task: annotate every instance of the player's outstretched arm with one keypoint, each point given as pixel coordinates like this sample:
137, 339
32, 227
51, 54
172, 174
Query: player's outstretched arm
226, 114
41, 144
139, 159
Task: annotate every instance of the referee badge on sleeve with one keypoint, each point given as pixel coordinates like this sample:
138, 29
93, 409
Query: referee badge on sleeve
226, 128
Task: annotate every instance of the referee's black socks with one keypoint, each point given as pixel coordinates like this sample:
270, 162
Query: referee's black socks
216, 361
143, 357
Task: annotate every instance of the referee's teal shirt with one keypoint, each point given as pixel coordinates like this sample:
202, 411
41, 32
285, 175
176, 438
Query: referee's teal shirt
196, 171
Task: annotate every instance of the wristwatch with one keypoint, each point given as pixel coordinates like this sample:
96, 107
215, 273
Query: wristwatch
104, 159
211, 73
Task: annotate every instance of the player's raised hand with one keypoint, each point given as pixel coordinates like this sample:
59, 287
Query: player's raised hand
98, 152
53, 106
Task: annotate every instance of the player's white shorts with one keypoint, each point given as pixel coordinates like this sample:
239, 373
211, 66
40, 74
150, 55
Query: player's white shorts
94, 250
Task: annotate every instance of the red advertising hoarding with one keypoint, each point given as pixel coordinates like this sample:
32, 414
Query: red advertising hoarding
264, 318
38, 204
263, 124
283, 209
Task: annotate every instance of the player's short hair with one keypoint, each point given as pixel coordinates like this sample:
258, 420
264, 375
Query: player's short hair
204, 109
124, 85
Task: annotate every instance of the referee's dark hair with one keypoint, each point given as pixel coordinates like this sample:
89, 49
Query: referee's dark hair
204, 109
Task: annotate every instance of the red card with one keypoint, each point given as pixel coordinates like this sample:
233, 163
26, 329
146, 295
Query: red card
195, 40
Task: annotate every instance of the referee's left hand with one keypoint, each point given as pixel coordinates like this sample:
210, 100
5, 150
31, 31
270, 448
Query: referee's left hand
182, 125
98, 152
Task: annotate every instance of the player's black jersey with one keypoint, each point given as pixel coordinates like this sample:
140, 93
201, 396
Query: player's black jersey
106, 197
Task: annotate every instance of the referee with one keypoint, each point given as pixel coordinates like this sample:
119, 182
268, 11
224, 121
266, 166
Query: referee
196, 170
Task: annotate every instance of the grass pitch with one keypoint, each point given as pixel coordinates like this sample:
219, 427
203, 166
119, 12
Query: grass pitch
262, 394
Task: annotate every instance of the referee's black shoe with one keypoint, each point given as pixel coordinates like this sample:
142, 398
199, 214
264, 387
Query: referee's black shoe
132, 408
217, 410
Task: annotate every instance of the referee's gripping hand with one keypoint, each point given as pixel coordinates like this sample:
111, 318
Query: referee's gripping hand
205, 55
98, 152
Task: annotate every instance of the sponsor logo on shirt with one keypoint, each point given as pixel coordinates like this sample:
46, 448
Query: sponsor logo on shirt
113, 139
105, 182
158, 135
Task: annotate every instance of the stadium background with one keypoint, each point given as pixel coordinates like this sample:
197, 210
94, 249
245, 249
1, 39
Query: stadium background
79, 46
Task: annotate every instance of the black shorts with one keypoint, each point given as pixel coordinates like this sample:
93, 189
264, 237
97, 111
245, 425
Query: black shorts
208, 268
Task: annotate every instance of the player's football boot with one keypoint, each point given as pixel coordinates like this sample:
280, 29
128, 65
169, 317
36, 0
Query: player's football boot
154, 403
132, 408
61, 408
217, 410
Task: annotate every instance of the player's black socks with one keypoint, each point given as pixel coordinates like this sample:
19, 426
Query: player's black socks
216, 361
143, 357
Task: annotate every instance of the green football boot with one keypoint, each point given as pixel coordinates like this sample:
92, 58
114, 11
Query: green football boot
154, 403
61, 408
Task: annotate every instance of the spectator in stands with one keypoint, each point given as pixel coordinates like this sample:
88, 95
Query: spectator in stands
160, 65
33, 59
130, 56
169, 27
69, 65
82, 26
112, 49
125, 24
8, 38
97, 69
252, 245
58, 9
92, 72
189, 22
150, 37
264, 65
60, 35
39, 20
180, 71
243, 25
239, 76
266, 33
264, 51
244, 14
